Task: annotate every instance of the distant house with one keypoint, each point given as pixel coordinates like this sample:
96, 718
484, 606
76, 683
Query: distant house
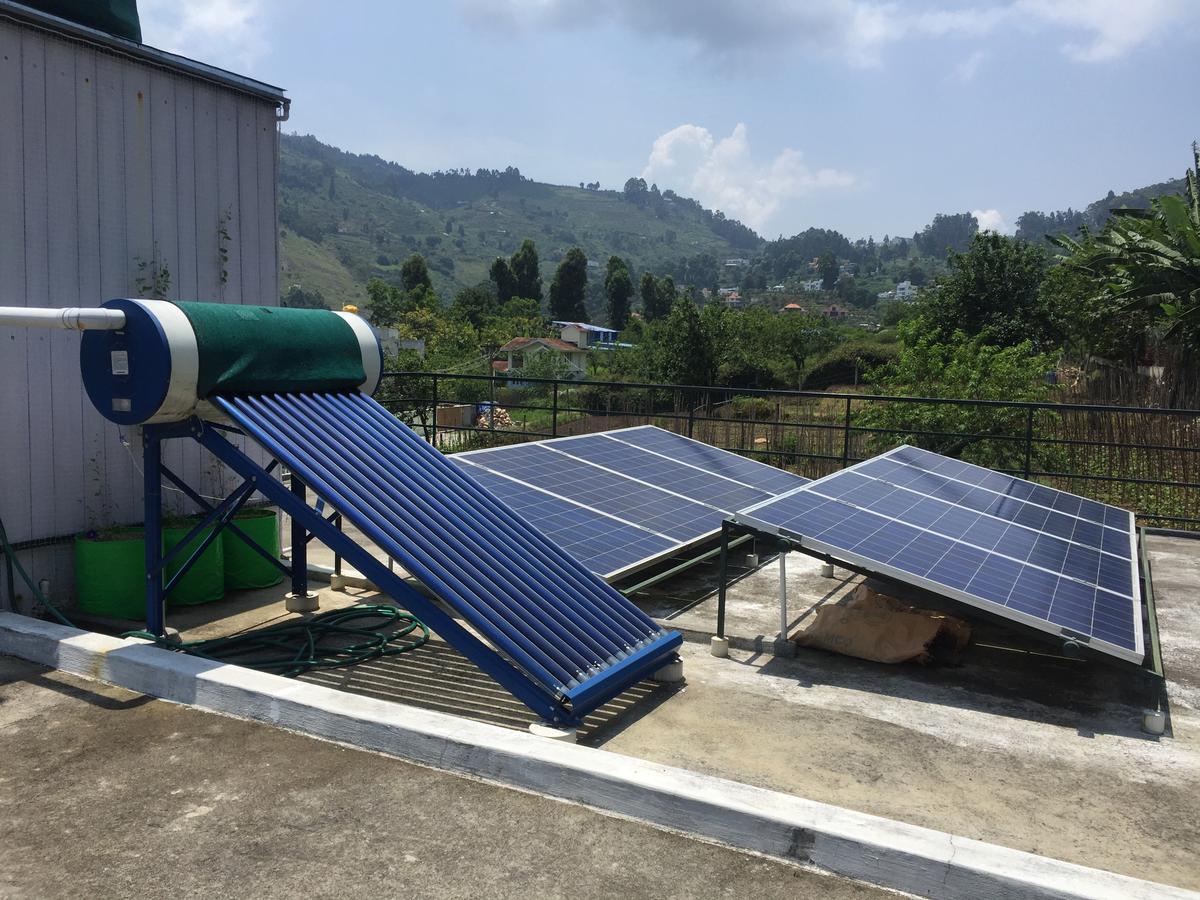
834, 311
812, 285
777, 288
392, 343
792, 308
905, 290
516, 354
583, 335
726, 291
737, 262
733, 300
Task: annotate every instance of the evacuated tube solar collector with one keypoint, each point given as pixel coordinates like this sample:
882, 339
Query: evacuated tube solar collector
298, 383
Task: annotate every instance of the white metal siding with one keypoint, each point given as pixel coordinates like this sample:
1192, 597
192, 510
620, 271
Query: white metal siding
105, 162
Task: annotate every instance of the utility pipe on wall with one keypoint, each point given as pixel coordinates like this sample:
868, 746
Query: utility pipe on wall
72, 318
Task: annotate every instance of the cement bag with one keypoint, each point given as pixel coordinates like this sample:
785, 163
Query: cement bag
880, 628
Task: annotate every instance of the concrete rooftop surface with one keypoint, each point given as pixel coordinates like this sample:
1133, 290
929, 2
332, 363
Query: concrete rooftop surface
107, 793
1017, 746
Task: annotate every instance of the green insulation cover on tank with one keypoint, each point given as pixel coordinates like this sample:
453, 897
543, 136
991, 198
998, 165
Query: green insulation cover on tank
267, 350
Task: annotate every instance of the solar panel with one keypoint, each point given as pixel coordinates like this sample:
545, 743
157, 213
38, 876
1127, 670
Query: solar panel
705, 456
1051, 560
603, 543
620, 500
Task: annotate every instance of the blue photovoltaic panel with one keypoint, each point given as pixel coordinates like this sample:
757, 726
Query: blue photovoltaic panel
621, 499
602, 543
709, 458
1048, 559
668, 474
539, 466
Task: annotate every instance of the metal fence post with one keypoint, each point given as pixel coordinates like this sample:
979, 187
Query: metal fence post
492, 410
691, 402
846, 436
554, 411
433, 424
1028, 442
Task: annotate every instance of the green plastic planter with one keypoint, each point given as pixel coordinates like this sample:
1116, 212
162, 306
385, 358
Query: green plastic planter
244, 568
205, 580
110, 568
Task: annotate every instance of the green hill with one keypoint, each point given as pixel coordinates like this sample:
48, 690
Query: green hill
346, 218
1035, 226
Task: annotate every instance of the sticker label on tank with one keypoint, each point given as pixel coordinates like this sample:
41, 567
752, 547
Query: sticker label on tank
120, 362
121, 404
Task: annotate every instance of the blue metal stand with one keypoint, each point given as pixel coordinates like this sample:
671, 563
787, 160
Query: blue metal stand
299, 541
219, 517
152, 485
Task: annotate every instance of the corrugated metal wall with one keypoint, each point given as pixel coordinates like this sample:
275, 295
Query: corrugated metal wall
106, 164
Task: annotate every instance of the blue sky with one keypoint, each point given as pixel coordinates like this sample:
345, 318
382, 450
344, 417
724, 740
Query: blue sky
864, 116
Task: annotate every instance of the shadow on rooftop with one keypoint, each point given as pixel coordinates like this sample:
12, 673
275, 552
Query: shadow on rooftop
1003, 673
437, 677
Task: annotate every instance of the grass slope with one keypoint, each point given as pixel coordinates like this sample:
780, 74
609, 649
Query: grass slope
345, 219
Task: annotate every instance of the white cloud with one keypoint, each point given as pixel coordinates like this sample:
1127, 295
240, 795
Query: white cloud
1111, 28
857, 31
992, 220
227, 33
966, 70
723, 174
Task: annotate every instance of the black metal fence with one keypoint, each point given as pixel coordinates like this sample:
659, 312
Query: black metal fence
1145, 459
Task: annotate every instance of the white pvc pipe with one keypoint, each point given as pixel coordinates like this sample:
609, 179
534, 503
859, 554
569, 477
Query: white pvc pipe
72, 318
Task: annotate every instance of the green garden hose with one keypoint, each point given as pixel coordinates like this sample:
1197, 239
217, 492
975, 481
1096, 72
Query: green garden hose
339, 637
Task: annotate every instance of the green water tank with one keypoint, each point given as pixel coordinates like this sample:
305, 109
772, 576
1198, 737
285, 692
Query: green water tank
244, 568
205, 580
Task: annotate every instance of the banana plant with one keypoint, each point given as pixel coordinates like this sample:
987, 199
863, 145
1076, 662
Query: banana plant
1149, 259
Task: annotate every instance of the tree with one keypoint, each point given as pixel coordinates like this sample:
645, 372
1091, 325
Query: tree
648, 289
618, 288
525, 269
414, 273
505, 281
962, 366
658, 295
385, 303
475, 304
827, 266
1148, 260
635, 191
993, 291
683, 352
946, 233
298, 298
569, 288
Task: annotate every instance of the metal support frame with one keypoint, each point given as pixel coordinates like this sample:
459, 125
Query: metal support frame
216, 519
689, 563
1153, 666
783, 610
722, 579
300, 538
156, 594
1152, 662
